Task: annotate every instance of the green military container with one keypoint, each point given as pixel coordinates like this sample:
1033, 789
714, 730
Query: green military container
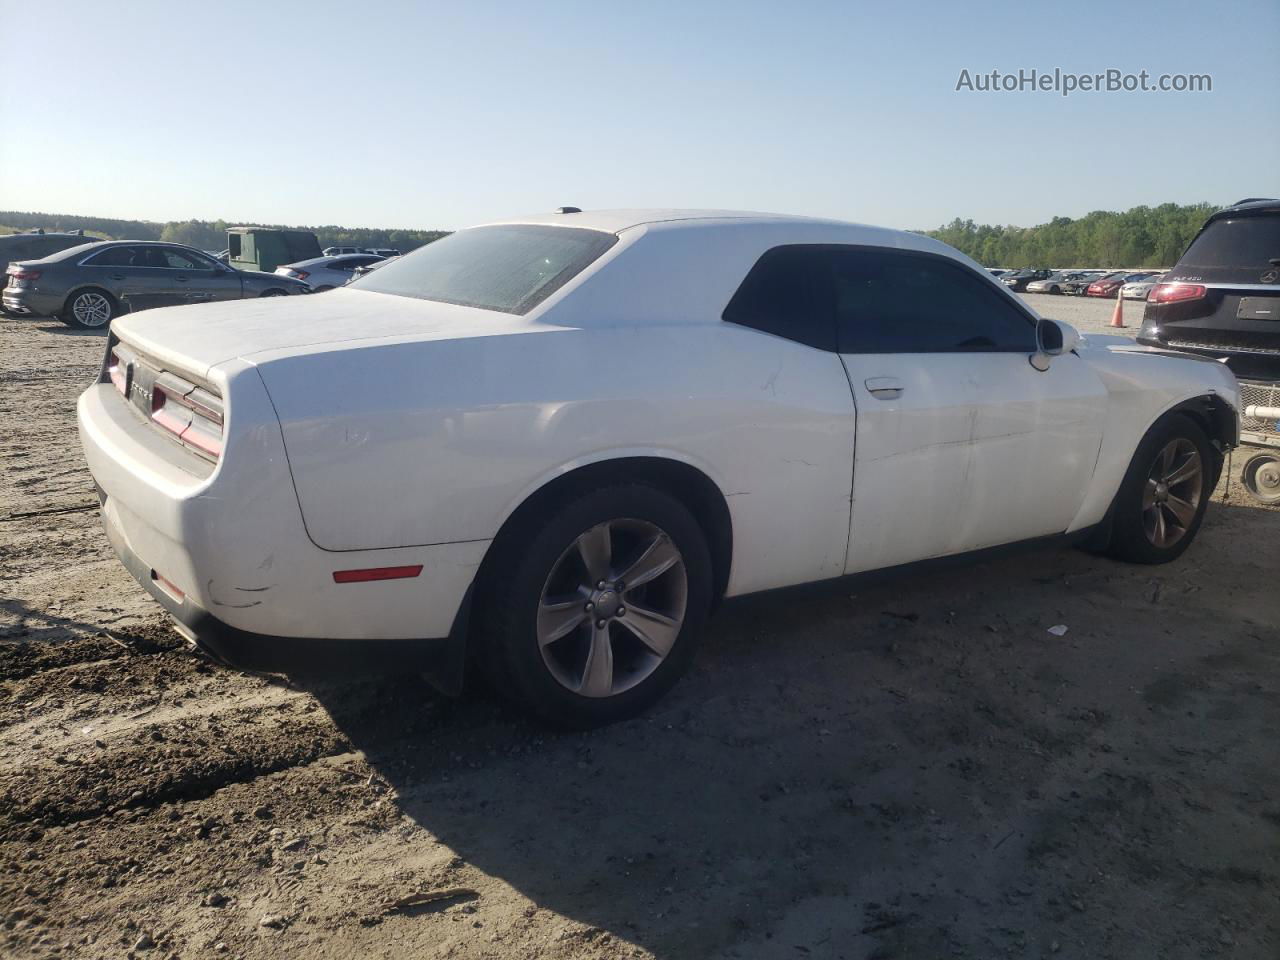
262, 248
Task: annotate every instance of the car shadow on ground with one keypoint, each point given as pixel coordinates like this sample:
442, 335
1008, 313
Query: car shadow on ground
893, 768
55, 326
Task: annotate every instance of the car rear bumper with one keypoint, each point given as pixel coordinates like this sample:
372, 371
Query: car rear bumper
229, 558
29, 303
1245, 364
441, 659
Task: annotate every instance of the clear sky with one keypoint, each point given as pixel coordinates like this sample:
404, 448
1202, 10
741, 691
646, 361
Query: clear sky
424, 114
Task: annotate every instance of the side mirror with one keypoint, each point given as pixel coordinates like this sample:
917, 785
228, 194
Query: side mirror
1053, 339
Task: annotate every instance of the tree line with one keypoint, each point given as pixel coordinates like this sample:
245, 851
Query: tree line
1139, 237
212, 234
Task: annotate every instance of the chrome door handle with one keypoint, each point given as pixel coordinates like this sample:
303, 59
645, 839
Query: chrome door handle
884, 388
181, 279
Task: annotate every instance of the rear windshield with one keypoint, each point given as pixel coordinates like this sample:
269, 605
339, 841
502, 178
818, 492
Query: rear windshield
507, 268
1243, 242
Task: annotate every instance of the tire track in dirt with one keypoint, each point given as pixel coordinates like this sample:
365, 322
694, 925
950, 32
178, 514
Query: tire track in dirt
25, 658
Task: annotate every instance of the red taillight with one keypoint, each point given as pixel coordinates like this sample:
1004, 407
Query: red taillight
18, 274
376, 573
1175, 292
191, 414
299, 274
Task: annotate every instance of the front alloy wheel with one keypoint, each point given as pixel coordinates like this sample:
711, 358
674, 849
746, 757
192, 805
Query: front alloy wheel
1172, 493
612, 608
1162, 498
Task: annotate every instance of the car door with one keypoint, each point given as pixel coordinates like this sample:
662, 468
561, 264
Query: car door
960, 443
130, 274
199, 279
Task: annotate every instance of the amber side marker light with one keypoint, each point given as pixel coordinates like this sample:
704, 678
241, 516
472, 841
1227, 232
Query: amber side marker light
376, 573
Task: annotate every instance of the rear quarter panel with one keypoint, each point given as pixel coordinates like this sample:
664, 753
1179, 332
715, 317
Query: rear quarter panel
420, 443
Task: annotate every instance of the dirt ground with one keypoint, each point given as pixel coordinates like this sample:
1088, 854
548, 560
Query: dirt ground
909, 768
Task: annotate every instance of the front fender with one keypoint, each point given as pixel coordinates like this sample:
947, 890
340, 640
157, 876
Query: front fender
1143, 386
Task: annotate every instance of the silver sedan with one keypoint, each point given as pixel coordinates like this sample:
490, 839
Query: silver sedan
325, 273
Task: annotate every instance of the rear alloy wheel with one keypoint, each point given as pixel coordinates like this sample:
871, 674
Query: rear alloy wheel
1163, 496
591, 613
89, 309
1261, 477
605, 626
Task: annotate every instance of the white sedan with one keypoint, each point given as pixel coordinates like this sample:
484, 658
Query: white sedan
546, 448
1139, 289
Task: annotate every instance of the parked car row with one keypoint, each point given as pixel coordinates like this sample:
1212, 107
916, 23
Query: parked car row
1076, 283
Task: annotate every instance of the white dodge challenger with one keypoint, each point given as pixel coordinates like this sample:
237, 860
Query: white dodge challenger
546, 448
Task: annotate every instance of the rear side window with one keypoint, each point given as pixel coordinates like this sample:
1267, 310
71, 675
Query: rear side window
788, 293
505, 268
890, 301
1245, 242
113, 257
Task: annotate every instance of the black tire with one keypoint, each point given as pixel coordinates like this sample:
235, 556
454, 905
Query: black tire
75, 304
507, 604
1055, 290
1131, 529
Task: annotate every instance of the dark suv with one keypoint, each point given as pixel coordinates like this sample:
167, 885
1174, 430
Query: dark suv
88, 286
36, 246
1223, 297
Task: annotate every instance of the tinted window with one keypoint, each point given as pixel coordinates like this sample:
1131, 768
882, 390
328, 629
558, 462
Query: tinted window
181, 260
45, 246
1242, 242
506, 268
350, 263
14, 251
788, 293
233, 246
894, 302
114, 257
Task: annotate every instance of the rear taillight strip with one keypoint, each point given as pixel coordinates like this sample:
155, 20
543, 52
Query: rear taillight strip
192, 414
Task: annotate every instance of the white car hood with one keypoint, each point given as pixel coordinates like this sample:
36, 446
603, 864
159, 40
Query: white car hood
197, 338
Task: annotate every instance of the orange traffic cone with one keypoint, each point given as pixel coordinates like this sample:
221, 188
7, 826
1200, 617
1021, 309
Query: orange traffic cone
1117, 317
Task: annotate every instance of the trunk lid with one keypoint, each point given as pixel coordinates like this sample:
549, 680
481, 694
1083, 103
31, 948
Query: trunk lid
196, 338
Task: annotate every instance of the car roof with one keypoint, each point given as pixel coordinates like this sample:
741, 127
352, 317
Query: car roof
616, 221
1250, 206
327, 258
84, 249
